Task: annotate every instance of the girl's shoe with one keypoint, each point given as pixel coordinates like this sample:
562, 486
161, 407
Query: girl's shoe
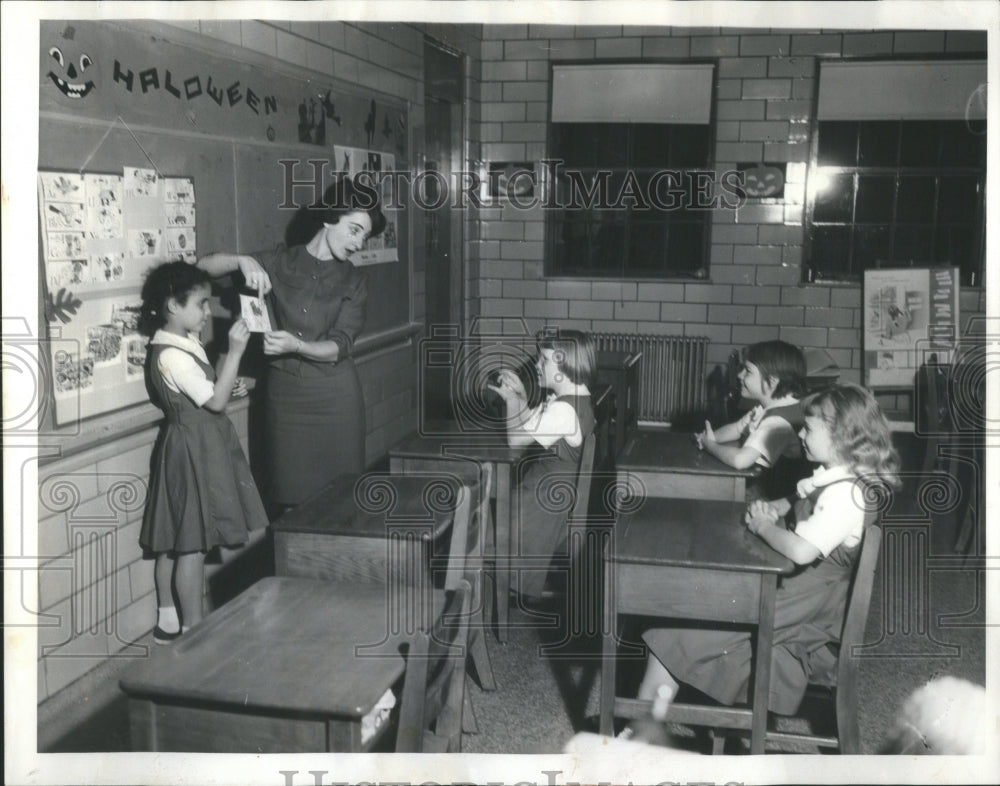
160, 636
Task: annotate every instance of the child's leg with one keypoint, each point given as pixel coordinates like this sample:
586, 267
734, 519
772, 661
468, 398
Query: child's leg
189, 580
166, 613
659, 686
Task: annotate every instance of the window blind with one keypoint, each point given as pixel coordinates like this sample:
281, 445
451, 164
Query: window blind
902, 90
637, 93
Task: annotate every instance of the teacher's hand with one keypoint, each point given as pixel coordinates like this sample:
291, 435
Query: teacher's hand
281, 342
255, 276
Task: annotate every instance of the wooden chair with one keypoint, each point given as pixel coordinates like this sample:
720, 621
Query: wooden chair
433, 694
576, 523
840, 682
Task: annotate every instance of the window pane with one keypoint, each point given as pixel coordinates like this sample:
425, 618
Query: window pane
650, 144
838, 143
961, 147
916, 199
571, 249
958, 199
609, 247
912, 245
875, 196
684, 246
647, 246
872, 246
833, 202
831, 251
954, 245
689, 145
919, 143
878, 143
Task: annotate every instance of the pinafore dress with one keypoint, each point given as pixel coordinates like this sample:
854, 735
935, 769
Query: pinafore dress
781, 478
809, 614
542, 506
201, 492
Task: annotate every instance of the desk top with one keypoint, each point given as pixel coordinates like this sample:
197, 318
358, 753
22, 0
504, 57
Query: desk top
693, 533
447, 441
663, 450
284, 644
364, 505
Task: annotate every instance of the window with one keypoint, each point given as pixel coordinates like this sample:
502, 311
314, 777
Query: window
630, 199
896, 192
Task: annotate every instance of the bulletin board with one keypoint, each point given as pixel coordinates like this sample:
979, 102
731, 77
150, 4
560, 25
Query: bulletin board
100, 233
909, 314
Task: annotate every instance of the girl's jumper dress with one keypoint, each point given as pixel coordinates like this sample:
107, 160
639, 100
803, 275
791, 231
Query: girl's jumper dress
786, 465
543, 505
201, 492
809, 614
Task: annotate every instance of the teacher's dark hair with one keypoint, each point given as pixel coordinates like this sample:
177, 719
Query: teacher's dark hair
344, 195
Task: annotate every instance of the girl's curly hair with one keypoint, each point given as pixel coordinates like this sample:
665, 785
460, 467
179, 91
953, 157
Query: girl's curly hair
169, 280
859, 431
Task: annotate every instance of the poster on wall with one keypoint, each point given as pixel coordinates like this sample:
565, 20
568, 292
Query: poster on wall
909, 314
101, 233
354, 161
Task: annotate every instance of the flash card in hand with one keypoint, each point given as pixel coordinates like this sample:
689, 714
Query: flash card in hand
255, 314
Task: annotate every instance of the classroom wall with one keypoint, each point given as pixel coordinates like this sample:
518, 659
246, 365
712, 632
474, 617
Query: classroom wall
95, 591
765, 82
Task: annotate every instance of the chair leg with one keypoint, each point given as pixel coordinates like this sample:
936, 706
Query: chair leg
718, 741
469, 723
481, 659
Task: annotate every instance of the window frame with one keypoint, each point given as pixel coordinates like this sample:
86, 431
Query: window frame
809, 273
703, 272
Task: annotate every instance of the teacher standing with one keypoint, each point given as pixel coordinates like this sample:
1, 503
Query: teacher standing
314, 406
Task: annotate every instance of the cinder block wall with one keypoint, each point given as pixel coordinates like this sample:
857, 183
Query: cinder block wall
765, 83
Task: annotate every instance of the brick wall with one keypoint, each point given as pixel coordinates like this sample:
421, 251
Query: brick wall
765, 83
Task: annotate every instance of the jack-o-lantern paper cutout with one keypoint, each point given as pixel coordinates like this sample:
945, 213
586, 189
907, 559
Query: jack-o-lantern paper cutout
761, 181
71, 69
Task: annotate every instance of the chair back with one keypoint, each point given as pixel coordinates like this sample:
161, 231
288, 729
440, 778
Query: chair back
858, 605
465, 549
430, 715
584, 476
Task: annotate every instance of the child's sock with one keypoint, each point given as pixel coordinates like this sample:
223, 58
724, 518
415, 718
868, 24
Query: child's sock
166, 619
661, 702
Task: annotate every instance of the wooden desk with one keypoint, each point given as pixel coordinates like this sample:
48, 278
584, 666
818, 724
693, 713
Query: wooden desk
274, 670
353, 530
691, 560
664, 463
421, 452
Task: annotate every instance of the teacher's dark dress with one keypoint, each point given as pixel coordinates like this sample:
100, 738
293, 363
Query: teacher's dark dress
314, 410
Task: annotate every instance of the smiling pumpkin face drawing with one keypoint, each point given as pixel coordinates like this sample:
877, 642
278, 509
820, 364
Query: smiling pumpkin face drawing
69, 66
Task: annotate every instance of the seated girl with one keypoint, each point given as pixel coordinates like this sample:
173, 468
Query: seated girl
774, 376
847, 434
555, 429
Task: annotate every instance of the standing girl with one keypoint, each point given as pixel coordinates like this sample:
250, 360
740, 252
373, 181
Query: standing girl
201, 492
556, 428
846, 433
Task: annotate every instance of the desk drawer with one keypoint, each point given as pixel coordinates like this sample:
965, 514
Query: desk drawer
687, 593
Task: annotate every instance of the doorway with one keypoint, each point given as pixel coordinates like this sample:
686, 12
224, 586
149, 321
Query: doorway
444, 146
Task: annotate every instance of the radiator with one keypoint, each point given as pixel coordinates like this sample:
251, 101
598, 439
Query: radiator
671, 377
